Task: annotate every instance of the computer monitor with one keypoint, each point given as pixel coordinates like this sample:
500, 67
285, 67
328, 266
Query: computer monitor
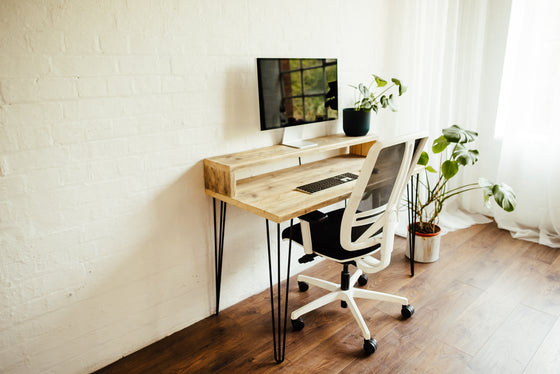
296, 91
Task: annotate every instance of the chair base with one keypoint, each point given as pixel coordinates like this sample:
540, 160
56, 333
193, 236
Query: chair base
337, 293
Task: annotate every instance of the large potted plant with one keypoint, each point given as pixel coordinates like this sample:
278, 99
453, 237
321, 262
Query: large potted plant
434, 190
356, 120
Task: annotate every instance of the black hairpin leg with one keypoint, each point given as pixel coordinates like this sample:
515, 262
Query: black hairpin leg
412, 198
219, 248
279, 328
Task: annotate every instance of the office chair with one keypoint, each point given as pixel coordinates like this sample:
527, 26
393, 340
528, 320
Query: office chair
362, 234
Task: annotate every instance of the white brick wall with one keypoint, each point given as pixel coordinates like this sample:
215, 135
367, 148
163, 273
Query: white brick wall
106, 110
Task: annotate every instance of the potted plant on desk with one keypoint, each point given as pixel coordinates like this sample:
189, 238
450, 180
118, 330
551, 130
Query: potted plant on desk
453, 154
356, 120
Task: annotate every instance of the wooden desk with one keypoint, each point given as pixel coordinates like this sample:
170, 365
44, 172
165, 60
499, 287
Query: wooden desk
272, 195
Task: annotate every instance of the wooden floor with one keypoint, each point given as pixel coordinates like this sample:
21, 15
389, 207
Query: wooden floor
490, 304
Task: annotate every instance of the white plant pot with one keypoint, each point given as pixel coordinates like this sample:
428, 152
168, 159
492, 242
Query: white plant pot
426, 247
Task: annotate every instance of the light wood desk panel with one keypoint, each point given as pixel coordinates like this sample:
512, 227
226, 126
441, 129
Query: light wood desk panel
221, 172
274, 196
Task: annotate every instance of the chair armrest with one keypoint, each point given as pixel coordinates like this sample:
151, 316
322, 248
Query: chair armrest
314, 217
306, 221
307, 258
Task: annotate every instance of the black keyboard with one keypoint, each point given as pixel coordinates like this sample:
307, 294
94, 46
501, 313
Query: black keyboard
323, 184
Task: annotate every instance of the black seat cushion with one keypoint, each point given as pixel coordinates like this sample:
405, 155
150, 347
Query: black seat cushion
325, 236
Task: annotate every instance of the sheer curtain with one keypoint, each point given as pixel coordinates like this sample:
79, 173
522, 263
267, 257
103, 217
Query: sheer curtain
450, 53
528, 121
492, 66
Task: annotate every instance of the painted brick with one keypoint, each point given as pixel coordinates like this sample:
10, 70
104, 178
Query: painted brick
12, 186
43, 179
109, 149
57, 88
114, 44
139, 65
92, 108
8, 140
49, 43
144, 44
104, 170
91, 87
20, 90
85, 16
35, 159
30, 15
100, 129
83, 66
119, 85
146, 84
18, 65
81, 43
173, 84
43, 112
69, 132
34, 136
77, 154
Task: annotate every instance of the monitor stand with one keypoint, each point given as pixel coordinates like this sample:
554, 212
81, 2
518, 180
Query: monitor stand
293, 137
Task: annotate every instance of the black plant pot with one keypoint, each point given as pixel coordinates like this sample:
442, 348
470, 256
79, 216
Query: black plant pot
355, 122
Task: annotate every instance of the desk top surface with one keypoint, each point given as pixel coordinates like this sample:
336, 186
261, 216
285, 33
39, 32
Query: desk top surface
274, 196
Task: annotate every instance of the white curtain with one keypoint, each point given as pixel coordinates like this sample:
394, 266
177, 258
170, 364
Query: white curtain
464, 59
528, 121
450, 53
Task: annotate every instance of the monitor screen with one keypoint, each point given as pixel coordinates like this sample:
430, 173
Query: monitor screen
296, 91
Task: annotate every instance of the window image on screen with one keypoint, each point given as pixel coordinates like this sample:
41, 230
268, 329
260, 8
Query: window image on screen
296, 91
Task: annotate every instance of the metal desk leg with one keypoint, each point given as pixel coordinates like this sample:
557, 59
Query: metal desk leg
219, 248
412, 198
279, 328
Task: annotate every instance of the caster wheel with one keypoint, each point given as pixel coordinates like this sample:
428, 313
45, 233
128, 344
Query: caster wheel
297, 324
343, 304
302, 286
407, 311
362, 280
370, 346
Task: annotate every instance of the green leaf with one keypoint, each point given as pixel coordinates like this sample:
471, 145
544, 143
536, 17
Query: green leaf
440, 144
449, 168
402, 87
384, 101
424, 158
456, 134
505, 197
380, 81
503, 194
465, 156
366, 104
431, 169
364, 91
391, 103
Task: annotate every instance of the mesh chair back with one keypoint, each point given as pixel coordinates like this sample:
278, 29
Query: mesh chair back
375, 199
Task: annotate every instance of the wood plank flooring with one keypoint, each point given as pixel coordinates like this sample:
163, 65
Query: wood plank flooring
490, 304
